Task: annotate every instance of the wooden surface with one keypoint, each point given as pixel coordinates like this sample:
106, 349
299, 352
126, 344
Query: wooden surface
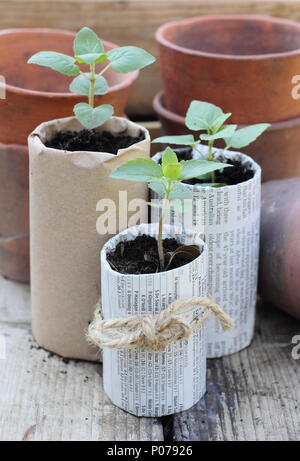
252, 395
131, 22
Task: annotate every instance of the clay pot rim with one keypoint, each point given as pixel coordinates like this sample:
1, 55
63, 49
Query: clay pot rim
160, 38
160, 109
129, 78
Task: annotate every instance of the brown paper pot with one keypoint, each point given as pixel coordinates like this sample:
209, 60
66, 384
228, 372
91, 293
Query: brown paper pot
64, 190
14, 232
35, 93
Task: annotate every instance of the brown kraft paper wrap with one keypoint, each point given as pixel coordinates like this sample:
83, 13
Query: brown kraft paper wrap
65, 188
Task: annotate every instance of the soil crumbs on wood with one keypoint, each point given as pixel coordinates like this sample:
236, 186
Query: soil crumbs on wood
230, 176
140, 256
92, 141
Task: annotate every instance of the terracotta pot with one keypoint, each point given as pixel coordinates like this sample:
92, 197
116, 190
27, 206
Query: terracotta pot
276, 150
280, 245
242, 63
14, 228
35, 94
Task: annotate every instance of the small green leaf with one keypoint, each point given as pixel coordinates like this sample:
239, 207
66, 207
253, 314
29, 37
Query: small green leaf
91, 58
87, 42
245, 136
181, 191
56, 61
158, 188
82, 84
172, 171
140, 169
195, 168
181, 140
226, 131
91, 117
219, 121
202, 115
168, 157
128, 58
211, 184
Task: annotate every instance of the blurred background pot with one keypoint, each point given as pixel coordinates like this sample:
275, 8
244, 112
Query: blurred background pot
34, 94
279, 273
14, 236
277, 150
243, 63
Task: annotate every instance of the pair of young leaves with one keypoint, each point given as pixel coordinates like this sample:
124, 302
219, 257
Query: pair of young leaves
204, 116
89, 50
168, 175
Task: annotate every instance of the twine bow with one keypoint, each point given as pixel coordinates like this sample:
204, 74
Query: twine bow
153, 332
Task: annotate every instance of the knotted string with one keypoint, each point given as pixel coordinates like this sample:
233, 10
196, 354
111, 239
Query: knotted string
153, 332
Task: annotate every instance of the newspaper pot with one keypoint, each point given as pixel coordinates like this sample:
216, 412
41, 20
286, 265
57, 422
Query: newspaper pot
276, 150
35, 94
279, 272
14, 227
233, 61
65, 193
154, 383
228, 218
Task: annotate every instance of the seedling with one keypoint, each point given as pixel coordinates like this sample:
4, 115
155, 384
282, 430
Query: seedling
89, 50
203, 116
165, 180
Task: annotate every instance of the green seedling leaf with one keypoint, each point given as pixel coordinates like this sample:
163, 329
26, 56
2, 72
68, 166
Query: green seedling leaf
168, 157
195, 168
158, 188
181, 192
189, 252
172, 171
181, 140
245, 136
140, 169
227, 130
82, 84
91, 117
91, 58
202, 115
129, 58
211, 184
56, 61
219, 121
87, 42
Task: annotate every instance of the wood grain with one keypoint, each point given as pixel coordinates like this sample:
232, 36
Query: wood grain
253, 395
132, 22
44, 397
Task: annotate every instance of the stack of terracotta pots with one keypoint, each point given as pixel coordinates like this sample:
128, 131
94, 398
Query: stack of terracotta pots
244, 64
33, 95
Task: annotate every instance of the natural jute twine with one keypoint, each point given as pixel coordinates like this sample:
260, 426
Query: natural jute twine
153, 332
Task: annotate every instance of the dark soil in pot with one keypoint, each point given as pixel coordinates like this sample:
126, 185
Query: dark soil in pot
230, 176
92, 141
140, 256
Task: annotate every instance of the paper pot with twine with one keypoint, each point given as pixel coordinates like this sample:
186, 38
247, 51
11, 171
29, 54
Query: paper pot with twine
153, 331
228, 219
65, 188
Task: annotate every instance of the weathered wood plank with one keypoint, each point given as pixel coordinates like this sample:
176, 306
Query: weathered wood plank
44, 397
252, 395
132, 22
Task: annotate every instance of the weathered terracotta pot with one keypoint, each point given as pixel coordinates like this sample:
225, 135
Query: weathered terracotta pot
276, 150
14, 227
35, 94
243, 63
279, 273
